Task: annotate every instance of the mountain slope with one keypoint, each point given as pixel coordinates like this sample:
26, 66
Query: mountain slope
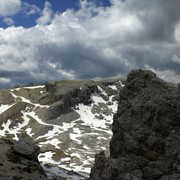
69, 120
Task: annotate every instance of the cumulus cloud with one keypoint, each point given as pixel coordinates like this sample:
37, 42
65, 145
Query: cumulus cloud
9, 21
30, 9
9, 7
4, 80
94, 42
46, 15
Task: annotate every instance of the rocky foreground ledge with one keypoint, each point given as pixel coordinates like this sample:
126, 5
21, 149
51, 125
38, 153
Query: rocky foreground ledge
19, 160
146, 132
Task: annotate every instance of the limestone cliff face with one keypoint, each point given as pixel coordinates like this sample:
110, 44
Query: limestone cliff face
146, 132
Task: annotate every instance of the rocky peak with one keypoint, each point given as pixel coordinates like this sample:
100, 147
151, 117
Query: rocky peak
146, 132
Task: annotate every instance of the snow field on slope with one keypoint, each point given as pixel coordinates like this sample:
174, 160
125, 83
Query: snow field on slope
87, 136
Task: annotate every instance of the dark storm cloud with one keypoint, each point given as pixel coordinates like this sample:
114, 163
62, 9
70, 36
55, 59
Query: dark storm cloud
83, 61
159, 17
18, 78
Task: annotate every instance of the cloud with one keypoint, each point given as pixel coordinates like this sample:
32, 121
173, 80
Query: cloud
9, 21
94, 42
4, 80
46, 15
30, 9
176, 59
167, 75
9, 7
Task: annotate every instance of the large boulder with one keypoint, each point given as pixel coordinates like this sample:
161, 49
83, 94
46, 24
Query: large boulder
146, 132
26, 149
19, 160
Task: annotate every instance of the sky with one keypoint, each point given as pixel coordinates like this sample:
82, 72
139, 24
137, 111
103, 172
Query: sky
83, 39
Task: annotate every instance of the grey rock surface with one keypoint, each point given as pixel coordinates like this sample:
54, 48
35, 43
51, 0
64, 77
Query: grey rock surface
13, 111
62, 96
146, 132
66, 94
15, 166
26, 149
6, 97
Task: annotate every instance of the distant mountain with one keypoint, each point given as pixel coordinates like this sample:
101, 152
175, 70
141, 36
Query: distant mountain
69, 120
146, 132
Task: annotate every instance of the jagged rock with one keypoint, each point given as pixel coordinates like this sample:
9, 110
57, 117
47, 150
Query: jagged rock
26, 149
16, 165
41, 131
63, 97
67, 117
146, 132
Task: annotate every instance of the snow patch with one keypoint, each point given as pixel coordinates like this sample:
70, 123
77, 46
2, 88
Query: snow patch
28, 101
28, 131
55, 142
5, 107
113, 87
122, 85
46, 157
34, 87
15, 130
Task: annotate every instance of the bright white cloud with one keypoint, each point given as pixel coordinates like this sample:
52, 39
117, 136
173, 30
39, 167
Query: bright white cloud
94, 42
9, 7
46, 15
9, 21
4, 80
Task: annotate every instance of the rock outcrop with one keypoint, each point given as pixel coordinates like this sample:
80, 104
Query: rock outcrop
66, 94
146, 132
19, 160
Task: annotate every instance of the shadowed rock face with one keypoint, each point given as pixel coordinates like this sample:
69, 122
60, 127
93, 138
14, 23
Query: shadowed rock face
26, 149
19, 160
66, 94
146, 132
